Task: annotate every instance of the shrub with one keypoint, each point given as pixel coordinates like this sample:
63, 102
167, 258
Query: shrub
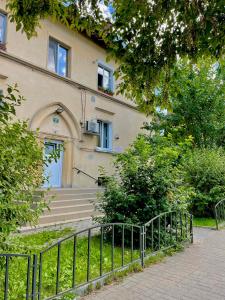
147, 181
205, 173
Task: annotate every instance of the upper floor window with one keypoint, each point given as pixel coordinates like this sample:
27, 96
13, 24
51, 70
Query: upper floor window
105, 79
105, 136
57, 58
2, 28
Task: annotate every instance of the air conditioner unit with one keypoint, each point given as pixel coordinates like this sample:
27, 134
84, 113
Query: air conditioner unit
92, 127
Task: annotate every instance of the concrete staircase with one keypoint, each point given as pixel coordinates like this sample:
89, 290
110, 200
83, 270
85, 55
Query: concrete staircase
69, 205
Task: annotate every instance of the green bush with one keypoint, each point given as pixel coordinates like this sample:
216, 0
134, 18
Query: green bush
147, 181
205, 173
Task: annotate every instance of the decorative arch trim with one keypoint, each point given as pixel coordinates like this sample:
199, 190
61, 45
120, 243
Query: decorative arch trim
46, 111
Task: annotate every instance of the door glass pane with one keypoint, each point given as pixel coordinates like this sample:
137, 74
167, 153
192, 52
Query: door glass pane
2, 28
62, 61
52, 56
49, 148
106, 79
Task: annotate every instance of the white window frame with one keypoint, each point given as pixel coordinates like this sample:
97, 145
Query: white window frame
5, 27
101, 137
110, 69
59, 44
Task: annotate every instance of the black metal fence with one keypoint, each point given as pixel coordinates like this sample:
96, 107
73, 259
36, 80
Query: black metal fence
220, 213
82, 257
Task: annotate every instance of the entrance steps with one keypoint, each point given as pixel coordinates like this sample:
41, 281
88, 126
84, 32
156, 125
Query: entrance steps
68, 205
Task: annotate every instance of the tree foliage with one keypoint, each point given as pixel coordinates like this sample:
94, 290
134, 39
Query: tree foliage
204, 171
145, 37
196, 104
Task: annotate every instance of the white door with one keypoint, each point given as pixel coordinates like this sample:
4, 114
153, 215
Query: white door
54, 169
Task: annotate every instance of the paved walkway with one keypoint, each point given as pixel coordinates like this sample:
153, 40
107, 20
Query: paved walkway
197, 273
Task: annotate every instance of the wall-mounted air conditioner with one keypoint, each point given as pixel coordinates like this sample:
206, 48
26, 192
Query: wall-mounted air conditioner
92, 127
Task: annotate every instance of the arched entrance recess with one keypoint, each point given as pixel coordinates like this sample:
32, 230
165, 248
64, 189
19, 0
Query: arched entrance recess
56, 124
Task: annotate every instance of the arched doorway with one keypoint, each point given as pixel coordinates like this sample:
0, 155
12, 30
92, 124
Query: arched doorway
57, 127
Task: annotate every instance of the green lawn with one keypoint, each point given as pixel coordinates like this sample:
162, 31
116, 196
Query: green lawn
34, 243
204, 222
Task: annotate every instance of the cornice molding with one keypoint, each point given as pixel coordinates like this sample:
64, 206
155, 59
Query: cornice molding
65, 79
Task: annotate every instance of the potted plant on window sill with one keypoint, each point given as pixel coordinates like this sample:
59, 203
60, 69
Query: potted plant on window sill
106, 91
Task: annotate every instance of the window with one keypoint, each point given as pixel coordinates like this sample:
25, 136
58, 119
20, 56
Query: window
105, 78
57, 58
105, 136
2, 28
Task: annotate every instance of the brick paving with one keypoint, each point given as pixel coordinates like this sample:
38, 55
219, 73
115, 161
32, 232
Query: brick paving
198, 273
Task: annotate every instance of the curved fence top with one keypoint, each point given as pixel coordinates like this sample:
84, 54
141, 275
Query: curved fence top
68, 237
166, 213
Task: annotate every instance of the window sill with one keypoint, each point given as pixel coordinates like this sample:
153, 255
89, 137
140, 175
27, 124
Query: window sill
109, 151
107, 92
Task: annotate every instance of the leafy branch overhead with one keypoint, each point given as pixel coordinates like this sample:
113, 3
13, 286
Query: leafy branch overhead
146, 37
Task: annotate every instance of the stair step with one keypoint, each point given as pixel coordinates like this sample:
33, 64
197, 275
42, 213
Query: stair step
66, 209
69, 202
67, 216
73, 191
68, 196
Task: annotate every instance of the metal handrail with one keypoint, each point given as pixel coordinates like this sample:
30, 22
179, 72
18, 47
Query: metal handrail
220, 212
80, 171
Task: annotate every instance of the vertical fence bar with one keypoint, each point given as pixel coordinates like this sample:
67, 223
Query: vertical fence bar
40, 277
186, 228
101, 248
140, 240
132, 242
191, 228
171, 227
89, 253
112, 255
74, 260
34, 278
6, 287
176, 225
152, 236
142, 244
28, 278
181, 226
159, 219
223, 211
123, 245
165, 231
216, 217
58, 268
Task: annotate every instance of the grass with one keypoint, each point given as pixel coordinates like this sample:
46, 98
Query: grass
204, 222
34, 243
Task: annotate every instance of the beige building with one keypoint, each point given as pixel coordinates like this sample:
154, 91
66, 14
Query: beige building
71, 98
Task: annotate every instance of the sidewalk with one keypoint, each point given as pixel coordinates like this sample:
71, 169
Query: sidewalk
198, 273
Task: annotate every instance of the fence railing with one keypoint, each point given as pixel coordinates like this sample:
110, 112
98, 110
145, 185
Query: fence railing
92, 254
220, 213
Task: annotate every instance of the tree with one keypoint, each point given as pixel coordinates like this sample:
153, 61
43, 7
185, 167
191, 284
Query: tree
196, 104
145, 37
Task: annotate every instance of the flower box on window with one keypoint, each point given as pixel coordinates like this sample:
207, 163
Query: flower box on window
106, 91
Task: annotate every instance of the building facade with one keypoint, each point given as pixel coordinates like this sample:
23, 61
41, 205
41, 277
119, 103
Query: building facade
71, 98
